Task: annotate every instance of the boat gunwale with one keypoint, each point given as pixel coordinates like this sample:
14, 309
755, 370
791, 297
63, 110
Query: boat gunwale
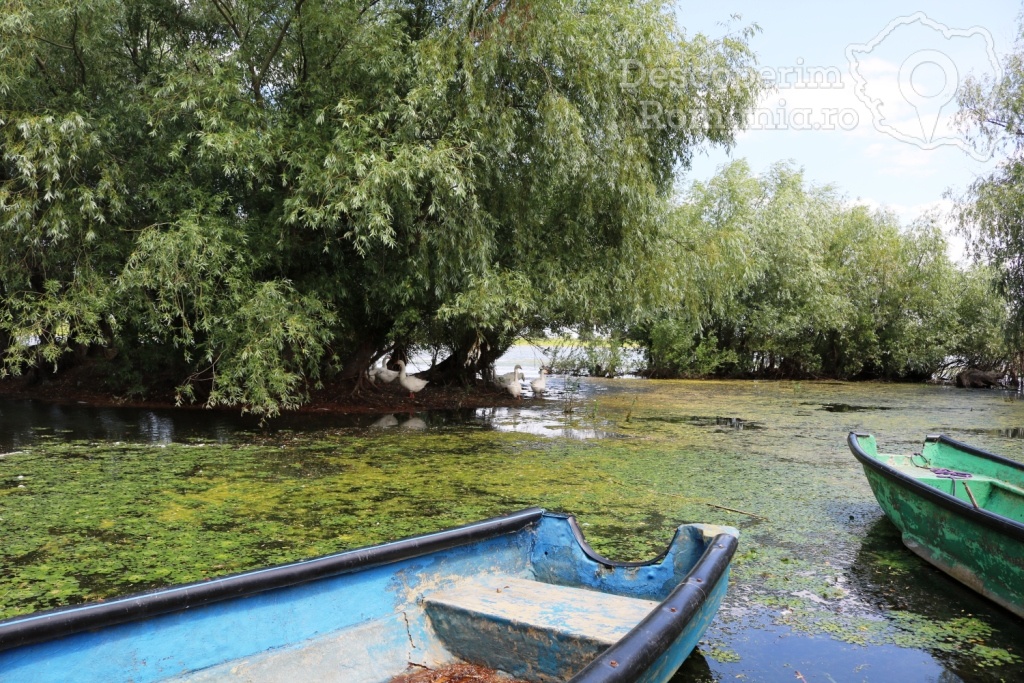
59, 622
639, 649
974, 450
995, 521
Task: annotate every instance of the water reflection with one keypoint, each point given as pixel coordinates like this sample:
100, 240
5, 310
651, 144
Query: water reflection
414, 423
694, 670
540, 421
886, 577
25, 422
562, 412
777, 653
385, 422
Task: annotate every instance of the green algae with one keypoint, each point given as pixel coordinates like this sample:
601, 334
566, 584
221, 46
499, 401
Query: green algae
953, 635
722, 654
95, 520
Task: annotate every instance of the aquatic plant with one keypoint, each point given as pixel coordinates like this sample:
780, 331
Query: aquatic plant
84, 521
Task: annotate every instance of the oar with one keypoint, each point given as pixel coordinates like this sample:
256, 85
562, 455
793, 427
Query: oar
973, 502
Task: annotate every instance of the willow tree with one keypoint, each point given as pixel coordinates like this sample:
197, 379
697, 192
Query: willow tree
798, 282
235, 195
991, 211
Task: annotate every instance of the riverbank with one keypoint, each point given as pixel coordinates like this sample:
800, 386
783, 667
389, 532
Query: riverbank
81, 386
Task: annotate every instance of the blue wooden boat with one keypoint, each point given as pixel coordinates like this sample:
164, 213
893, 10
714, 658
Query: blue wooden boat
522, 594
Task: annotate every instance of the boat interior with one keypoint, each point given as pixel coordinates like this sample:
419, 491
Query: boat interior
983, 490
497, 621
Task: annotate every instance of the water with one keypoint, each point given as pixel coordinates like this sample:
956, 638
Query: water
822, 588
27, 422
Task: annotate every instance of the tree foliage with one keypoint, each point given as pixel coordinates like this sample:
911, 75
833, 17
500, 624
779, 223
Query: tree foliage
991, 211
797, 282
241, 195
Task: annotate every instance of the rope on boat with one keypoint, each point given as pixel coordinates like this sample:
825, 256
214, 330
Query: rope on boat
953, 475
950, 474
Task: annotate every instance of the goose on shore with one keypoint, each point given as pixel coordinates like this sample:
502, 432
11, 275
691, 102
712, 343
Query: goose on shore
383, 374
410, 384
514, 387
540, 384
508, 377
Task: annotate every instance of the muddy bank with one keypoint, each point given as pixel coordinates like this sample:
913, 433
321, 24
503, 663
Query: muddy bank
335, 397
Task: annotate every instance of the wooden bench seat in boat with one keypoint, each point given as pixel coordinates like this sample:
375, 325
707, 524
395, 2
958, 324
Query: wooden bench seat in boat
501, 621
497, 621
989, 493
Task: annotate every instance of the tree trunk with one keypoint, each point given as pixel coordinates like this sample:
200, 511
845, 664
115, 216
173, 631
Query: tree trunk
358, 362
477, 352
5, 343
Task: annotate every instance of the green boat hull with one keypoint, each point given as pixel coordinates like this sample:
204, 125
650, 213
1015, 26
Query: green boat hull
959, 508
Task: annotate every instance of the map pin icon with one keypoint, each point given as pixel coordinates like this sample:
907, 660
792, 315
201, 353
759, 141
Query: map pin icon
919, 91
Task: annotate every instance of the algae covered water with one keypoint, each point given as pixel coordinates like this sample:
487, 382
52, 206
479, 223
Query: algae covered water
822, 589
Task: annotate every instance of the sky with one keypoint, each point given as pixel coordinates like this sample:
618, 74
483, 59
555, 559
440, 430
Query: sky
865, 93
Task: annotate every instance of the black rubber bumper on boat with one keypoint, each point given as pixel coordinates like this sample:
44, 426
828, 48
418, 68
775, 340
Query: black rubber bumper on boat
64, 621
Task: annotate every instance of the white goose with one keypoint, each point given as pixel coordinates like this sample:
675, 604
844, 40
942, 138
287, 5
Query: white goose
508, 377
410, 384
540, 384
383, 374
514, 387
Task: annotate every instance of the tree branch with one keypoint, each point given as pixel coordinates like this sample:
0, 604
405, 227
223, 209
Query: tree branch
46, 74
55, 44
258, 85
303, 59
74, 45
225, 12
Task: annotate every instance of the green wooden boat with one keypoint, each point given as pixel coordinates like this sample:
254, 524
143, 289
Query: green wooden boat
958, 507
